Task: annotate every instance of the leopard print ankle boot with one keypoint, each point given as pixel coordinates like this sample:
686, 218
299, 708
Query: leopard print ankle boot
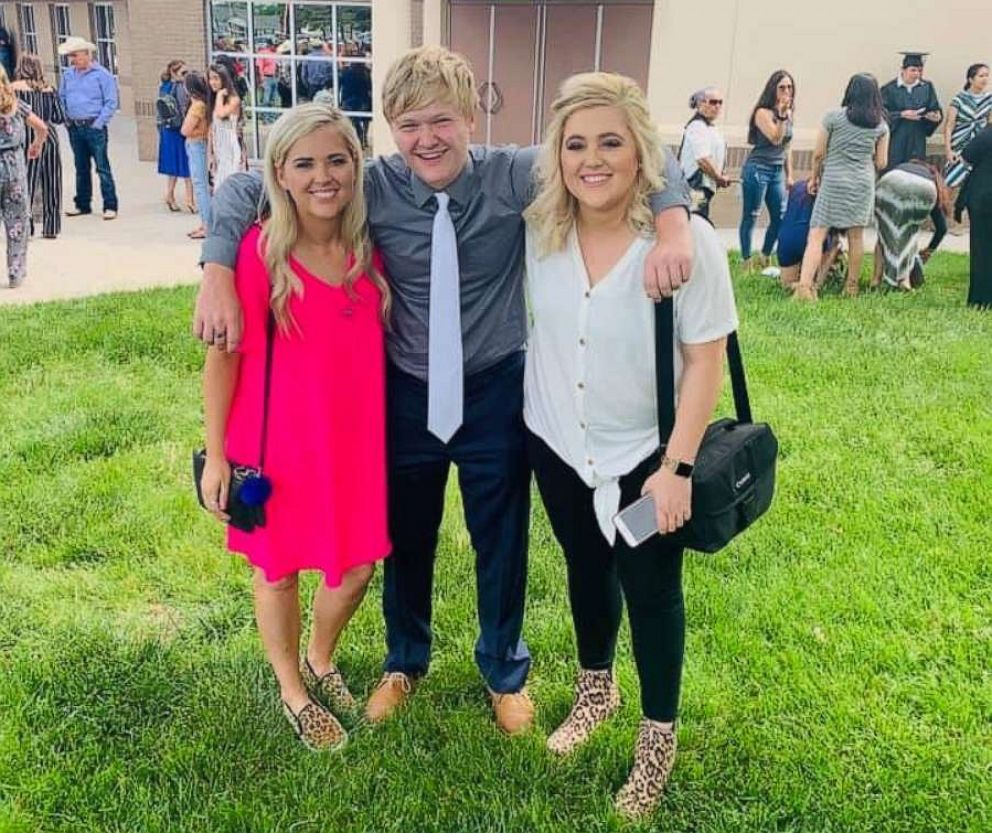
596, 698
654, 757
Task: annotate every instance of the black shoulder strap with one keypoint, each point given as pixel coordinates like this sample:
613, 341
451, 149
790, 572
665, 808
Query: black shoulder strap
696, 117
664, 351
270, 339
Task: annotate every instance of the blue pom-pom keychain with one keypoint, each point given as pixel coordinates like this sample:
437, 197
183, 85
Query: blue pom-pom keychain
256, 489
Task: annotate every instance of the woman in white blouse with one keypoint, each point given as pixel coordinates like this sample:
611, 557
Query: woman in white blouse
590, 403
703, 152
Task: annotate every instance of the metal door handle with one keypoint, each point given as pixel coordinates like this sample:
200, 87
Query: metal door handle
490, 97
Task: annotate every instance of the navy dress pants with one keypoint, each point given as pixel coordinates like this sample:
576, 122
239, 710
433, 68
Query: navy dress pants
490, 454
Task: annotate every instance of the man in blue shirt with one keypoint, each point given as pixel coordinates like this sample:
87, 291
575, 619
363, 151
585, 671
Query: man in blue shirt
89, 99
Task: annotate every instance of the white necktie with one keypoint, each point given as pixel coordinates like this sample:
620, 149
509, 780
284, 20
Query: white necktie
445, 370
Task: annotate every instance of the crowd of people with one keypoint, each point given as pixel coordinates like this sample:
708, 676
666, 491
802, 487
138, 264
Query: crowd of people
201, 134
201, 118
870, 167
30, 155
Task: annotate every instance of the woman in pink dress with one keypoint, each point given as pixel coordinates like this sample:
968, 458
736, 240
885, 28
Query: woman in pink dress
312, 268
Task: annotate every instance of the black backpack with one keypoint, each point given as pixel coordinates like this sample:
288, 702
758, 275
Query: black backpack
167, 112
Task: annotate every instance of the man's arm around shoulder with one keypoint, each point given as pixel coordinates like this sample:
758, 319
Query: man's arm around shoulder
669, 264
236, 205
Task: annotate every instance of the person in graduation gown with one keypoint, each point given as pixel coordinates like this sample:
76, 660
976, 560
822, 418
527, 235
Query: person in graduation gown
913, 109
976, 196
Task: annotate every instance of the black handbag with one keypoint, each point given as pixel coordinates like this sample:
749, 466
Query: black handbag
733, 479
249, 488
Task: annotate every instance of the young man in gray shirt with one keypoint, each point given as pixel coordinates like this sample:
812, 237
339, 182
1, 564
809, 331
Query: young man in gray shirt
446, 218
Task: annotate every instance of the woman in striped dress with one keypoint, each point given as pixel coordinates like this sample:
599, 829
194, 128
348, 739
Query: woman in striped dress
967, 114
852, 144
904, 197
44, 172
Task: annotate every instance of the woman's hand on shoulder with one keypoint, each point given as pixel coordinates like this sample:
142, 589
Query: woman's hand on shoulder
215, 485
672, 499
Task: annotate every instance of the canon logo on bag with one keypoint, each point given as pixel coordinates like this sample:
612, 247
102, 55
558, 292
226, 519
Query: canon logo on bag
742, 481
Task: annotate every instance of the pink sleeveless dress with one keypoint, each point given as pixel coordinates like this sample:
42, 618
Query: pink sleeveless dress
326, 449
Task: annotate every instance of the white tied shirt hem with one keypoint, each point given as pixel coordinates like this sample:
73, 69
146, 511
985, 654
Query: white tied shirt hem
589, 384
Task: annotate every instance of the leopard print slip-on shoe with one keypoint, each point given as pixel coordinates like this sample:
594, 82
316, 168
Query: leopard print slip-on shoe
654, 758
330, 689
316, 727
597, 697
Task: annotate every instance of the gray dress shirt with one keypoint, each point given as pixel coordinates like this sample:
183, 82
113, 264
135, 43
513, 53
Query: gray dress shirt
487, 200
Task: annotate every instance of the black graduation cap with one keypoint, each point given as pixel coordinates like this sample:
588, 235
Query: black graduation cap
913, 59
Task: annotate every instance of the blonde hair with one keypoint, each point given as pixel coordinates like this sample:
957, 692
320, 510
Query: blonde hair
425, 75
281, 230
553, 212
8, 98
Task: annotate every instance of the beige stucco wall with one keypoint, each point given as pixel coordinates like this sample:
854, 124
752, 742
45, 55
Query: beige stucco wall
736, 44
392, 35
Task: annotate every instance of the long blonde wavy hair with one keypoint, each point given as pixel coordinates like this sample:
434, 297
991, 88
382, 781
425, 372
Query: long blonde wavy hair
281, 230
8, 98
553, 212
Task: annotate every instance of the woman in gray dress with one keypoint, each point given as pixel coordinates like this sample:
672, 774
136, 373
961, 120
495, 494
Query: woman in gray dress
851, 145
15, 119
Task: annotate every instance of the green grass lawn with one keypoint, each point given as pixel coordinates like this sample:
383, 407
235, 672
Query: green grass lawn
839, 660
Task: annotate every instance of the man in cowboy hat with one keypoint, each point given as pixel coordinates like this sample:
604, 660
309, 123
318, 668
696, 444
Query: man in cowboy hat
89, 98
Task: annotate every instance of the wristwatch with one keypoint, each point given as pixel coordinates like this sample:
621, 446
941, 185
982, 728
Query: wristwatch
680, 468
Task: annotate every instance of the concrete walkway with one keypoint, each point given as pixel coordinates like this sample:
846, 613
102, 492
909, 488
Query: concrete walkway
146, 245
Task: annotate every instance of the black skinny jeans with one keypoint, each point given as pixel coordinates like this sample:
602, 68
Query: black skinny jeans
600, 577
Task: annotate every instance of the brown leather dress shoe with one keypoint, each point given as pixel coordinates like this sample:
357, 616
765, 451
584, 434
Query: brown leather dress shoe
392, 692
514, 711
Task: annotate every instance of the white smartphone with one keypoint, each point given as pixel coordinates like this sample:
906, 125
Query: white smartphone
637, 522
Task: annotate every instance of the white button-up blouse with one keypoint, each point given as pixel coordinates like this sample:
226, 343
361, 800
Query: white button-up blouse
589, 384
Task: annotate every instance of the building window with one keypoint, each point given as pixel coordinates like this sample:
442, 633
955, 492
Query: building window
28, 27
104, 35
289, 52
61, 29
